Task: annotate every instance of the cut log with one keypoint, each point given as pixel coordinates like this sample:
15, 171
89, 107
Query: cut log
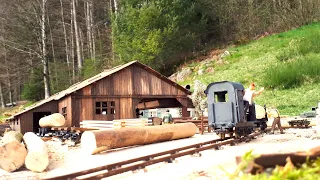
37, 158
53, 120
12, 156
12, 136
129, 136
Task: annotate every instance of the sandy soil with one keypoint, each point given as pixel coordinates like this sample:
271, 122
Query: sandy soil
213, 164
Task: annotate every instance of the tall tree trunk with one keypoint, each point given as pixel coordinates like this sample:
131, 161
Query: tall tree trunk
75, 24
8, 75
65, 40
93, 56
6, 64
115, 3
1, 96
88, 24
55, 78
72, 45
81, 43
44, 51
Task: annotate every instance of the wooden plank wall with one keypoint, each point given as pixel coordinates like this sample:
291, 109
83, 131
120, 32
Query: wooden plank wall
125, 87
66, 102
104, 87
122, 82
126, 109
146, 83
26, 119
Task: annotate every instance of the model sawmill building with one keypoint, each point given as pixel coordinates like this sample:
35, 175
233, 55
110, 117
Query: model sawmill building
113, 94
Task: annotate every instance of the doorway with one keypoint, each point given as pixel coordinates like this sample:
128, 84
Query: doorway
36, 117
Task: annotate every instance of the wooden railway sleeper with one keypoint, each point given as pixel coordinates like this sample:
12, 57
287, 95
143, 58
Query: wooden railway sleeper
113, 168
170, 160
196, 154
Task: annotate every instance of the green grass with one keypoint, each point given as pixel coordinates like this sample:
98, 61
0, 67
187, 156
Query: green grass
286, 64
12, 109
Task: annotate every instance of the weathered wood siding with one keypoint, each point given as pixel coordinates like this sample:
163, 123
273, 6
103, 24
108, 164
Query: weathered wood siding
146, 83
66, 102
25, 120
127, 111
104, 87
125, 88
122, 82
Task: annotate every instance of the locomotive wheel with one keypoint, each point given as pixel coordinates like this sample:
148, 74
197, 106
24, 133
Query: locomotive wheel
222, 135
230, 134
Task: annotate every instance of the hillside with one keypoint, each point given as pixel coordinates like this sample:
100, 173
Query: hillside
286, 64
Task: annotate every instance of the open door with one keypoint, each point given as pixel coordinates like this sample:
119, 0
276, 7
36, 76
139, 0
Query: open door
36, 117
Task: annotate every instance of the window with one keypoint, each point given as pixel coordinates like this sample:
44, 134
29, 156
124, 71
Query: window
221, 96
64, 112
105, 107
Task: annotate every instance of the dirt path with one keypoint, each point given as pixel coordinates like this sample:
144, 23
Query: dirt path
211, 165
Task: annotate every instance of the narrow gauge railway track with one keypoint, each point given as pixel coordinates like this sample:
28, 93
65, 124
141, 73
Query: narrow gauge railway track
143, 161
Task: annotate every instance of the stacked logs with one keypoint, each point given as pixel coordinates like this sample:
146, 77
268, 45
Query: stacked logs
28, 149
18, 150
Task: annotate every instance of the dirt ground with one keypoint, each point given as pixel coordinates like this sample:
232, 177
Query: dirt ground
212, 164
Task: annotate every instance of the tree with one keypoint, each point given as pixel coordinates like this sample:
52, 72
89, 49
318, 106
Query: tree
158, 33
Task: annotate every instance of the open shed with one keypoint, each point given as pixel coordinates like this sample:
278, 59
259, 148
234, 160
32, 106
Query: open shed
113, 94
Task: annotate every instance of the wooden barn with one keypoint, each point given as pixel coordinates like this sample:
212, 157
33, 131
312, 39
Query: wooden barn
113, 94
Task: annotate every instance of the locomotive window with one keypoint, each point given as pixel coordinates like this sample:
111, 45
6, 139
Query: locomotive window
221, 96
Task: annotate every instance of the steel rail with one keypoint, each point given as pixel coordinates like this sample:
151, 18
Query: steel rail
143, 161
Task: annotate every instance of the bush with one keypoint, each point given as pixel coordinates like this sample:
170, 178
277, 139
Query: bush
310, 43
33, 90
292, 74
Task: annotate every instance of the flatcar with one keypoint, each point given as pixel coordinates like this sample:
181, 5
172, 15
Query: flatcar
229, 114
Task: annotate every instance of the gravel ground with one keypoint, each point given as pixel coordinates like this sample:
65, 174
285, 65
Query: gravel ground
213, 164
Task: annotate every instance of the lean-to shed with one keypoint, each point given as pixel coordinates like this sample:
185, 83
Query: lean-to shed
113, 94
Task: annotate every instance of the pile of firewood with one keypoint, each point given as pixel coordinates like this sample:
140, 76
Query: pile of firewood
17, 150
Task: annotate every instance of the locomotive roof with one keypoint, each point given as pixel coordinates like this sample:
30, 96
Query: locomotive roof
235, 85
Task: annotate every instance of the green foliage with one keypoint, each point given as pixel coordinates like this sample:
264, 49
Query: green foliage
310, 43
259, 62
310, 170
157, 32
89, 69
295, 73
33, 90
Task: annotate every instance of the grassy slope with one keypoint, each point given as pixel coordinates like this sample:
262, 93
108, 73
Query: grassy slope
248, 63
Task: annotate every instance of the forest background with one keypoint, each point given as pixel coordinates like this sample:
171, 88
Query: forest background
46, 46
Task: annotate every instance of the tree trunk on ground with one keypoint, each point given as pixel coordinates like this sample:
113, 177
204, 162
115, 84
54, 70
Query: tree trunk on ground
12, 136
12, 156
53, 120
100, 140
37, 159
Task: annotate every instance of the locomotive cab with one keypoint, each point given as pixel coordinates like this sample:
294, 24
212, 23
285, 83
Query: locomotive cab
228, 113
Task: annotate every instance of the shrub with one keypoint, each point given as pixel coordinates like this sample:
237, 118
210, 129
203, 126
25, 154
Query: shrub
292, 74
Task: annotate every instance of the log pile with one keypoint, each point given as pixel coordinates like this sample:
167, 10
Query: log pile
18, 150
